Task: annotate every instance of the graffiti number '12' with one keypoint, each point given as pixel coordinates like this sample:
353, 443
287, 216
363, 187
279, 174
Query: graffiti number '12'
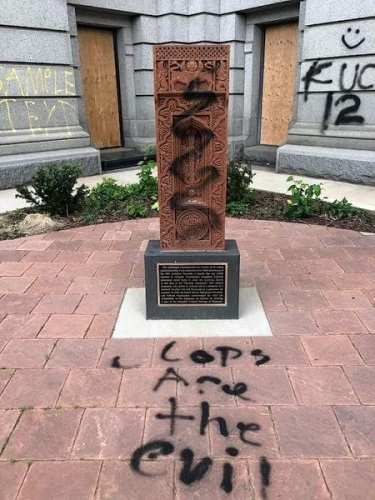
346, 116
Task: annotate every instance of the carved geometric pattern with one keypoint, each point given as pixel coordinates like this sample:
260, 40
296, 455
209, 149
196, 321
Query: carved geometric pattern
191, 101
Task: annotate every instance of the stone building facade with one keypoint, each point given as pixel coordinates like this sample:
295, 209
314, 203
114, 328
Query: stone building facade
76, 77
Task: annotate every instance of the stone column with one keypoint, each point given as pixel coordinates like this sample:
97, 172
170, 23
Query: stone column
333, 132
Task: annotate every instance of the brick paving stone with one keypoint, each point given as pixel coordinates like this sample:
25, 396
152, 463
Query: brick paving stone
335, 322
106, 257
368, 318
72, 257
75, 353
292, 323
305, 242
309, 432
61, 481
272, 301
347, 299
66, 246
37, 256
49, 285
24, 326
357, 423
85, 285
186, 433
180, 351
121, 270
96, 234
75, 270
94, 246
209, 487
57, 304
138, 388
33, 388
117, 285
283, 351
126, 246
26, 353
96, 303
365, 344
322, 266
64, 235
46, 269
337, 241
117, 480
12, 255
87, 388
8, 419
291, 480
326, 385
18, 303
307, 281
14, 268
351, 281
254, 268
15, 284
370, 294
116, 235
101, 326
5, 376
286, 267
264, 254
332, 350
269, 386
195, 392
138, 269
297, 253
109, 434
331, 253
11, 244
3, 343
261, 437
362, 379
11, 478
31, 244
133, 353
349, 479
43, 435
304, 301
66, 326
356, 265
275, 283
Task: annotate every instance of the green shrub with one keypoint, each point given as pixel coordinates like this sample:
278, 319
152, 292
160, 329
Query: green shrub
236, 208
148, 184
305, 199
342, 208
239, 178
136, 210
107, 197
52, 189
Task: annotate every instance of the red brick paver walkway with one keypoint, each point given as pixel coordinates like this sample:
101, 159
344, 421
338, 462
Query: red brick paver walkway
298, 427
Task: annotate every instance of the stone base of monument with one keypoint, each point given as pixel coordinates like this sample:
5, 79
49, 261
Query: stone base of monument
192, 284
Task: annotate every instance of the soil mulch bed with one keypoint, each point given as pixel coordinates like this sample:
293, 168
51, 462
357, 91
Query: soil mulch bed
266, 206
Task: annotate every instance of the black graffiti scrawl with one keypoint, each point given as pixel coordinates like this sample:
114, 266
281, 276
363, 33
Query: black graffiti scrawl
192, 469
343, 109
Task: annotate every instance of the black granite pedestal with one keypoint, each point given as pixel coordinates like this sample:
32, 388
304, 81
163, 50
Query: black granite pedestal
192, 284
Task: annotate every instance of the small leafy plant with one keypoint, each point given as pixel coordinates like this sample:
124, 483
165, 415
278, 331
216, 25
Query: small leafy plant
148, 184
136, 210
52, 189
106, 197
236, 208
342, 209
305, 199
239, 178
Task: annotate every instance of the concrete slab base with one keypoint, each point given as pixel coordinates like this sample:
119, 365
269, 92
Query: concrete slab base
132, 323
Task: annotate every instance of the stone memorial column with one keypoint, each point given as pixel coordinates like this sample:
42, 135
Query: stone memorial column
192, 271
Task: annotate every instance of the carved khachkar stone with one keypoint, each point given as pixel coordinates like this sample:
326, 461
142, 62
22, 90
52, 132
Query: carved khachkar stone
191, 97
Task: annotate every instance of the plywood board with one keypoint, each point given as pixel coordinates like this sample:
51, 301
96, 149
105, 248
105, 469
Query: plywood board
100, 86
278, 82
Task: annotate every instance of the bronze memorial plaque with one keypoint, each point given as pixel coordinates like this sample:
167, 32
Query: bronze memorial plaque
191, 100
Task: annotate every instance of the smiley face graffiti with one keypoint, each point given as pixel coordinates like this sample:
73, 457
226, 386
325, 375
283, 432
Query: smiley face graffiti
354, 37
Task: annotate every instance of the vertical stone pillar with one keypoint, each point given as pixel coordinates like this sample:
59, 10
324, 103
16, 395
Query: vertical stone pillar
191, 98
